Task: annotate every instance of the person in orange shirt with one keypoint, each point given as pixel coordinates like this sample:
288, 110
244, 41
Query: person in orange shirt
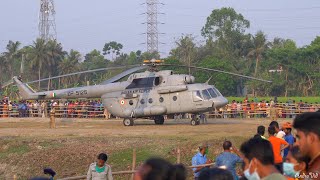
276, 147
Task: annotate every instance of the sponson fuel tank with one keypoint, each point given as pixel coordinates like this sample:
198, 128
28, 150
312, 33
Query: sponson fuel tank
146, 111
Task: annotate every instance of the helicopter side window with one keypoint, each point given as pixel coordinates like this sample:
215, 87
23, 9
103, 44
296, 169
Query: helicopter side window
150, 100
212, 93
174, 98
205, 94
142, 101
196, 96
161, 99
157, 81
141, 83
131, 102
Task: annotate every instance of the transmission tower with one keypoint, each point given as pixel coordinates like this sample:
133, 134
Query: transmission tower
152, 26
47, 25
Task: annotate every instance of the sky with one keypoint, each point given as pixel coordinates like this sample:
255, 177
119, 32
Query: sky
85, 25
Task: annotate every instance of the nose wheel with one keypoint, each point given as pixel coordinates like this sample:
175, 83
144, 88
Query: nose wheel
128, 122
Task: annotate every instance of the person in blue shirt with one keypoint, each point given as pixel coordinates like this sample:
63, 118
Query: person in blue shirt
200, 159
228, 160
287, 127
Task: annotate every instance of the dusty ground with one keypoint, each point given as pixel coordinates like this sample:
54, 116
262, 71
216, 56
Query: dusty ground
28, 145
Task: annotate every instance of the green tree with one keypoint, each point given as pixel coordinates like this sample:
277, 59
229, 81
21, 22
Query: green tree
112, 48
9, 56
70, 64
260, 45
38, 54
185, 51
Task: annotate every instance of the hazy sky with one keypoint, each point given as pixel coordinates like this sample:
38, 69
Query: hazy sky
85, 25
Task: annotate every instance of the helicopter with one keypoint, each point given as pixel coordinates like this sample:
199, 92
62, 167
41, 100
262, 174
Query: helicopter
152, 93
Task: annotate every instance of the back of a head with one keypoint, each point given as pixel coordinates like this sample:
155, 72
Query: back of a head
261, 130
308, 122
258, 148
164, 170
274, 124
271, 130
215, 174
226, 145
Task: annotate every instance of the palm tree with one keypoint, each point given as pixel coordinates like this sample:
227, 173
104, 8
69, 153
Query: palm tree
38, 53
186, 50
55, 55
68, 65
260, 45
10, 55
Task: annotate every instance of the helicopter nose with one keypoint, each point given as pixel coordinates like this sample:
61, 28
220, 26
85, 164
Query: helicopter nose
221, 102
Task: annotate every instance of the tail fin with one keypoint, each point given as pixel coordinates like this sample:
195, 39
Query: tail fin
25, 91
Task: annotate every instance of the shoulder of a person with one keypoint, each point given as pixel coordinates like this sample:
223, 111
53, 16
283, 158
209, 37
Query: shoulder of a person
93, 165
275, 176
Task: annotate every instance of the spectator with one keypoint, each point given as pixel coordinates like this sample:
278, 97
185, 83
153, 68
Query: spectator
215, 174
296, 164
276, 147
100, 170
260, 132
287, 127
159, 169
200, 159
280, 134
308, 138
228, 159
259, 160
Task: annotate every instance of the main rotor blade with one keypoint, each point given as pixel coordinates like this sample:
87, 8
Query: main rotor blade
81, 72
6, 84
123, 74
220, 71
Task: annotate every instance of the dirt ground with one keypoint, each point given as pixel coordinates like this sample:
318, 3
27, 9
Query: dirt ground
28, 145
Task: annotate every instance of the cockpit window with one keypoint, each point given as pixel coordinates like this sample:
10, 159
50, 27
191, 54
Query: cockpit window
205, 94
217, 92
198, 94
212, 93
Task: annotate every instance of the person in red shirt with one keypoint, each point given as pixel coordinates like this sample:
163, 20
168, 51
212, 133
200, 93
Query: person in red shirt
276, 147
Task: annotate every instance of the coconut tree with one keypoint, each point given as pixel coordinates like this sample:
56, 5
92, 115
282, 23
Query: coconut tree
68, 65
12, 51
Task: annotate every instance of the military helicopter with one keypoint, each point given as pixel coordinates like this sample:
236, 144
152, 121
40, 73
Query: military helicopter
152, 93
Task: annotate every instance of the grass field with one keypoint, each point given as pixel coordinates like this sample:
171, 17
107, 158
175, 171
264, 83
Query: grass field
280, 99
28, 145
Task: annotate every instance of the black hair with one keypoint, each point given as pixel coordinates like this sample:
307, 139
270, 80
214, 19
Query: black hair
261, 130
274, 124
308, 122
227, 145
103, 156
271, 130
258, 148
215, 174
296, 153
164, 170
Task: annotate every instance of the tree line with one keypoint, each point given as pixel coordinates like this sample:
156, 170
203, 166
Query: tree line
295, 71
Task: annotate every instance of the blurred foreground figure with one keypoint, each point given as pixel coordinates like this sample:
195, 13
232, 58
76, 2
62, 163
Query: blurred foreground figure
215, 174
159, 169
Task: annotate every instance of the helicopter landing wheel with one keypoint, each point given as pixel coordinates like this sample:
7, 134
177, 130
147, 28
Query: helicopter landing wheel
193, 122
159, 120
198, 122
128, 122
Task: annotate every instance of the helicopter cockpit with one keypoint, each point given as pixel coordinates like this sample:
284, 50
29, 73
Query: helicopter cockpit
206, 94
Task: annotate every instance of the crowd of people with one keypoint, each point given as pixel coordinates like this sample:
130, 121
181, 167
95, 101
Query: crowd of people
66, 109
281, 156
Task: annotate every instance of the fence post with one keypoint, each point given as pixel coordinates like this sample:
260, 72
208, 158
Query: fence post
15, 177
134, 159
178, 155
52, 119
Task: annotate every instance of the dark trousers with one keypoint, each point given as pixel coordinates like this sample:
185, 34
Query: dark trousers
279, 167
